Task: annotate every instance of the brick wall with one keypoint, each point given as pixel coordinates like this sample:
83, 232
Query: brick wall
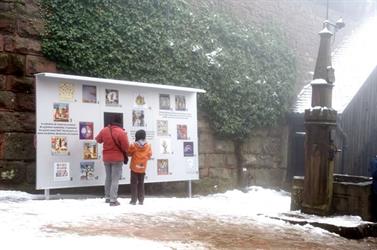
20, 59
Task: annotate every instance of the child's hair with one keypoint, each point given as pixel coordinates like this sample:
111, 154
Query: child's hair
140, 135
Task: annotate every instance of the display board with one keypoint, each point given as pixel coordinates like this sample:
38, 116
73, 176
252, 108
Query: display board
71, 110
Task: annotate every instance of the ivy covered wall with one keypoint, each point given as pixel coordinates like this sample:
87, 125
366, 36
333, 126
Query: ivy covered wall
248, 72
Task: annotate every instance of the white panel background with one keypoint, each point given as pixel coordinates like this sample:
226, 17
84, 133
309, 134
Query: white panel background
47, 93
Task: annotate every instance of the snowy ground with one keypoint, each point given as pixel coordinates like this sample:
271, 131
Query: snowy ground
231, 220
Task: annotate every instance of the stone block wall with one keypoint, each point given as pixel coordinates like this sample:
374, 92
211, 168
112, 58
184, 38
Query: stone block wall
217, 160
261, 160
264, 155
20, 58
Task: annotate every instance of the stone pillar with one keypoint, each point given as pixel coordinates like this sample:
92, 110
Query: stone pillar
320, 124
319, 160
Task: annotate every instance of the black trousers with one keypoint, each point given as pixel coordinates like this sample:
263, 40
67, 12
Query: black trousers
137, 187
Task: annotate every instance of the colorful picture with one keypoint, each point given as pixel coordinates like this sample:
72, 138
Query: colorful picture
162, 128
162, 167
90, 150
61, 112
140, 100
89, 94
181, 132
188, 148
87, 171
61, 171
138, 118
180, 102
66, 91
112, 97
165, 101
59, 145
86, 131
165, 146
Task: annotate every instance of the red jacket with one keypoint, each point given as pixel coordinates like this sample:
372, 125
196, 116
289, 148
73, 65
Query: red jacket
140, 155
110, 151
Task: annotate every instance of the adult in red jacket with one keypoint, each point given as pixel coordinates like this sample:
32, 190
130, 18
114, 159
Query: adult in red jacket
115, 142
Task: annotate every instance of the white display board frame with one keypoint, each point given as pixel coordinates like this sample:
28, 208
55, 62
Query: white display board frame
70, 112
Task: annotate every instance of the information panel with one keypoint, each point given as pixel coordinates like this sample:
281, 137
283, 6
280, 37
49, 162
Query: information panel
71, 110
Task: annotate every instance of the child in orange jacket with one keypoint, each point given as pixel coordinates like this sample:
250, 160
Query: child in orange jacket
141, 152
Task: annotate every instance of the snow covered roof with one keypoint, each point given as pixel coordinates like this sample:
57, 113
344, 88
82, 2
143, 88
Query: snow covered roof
353, 62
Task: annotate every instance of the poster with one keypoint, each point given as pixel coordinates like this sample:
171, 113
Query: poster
87, 171
162, 167
165, 146
188, 148
61, 112
138, 118
86, 130
190, 166
61, 171
66, 91
140, 101
112, 97
162, 128
180, 102
59, 145
181, 131
90, 150
165, 101
89, 94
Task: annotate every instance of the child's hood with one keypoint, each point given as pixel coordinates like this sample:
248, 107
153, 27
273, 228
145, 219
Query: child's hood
141, 144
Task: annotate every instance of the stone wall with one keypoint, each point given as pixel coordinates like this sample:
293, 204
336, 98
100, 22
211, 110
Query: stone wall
261, 159
20, 59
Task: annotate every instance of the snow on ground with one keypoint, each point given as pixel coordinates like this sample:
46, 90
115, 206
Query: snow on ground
27, 219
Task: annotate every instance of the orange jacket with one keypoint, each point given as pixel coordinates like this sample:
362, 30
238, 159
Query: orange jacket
140, 155
110, 151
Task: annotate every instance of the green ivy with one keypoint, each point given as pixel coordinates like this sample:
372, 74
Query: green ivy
248, 72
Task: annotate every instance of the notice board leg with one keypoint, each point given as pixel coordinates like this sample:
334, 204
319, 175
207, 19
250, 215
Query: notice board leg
189, 189
47, 194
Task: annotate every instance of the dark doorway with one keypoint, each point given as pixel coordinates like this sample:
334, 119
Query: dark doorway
108, 117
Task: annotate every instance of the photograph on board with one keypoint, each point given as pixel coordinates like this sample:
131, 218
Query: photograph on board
61, 112
61, 171
165, 101
188, 148
66, 91
138, 118
180, 103
59, 145
190, 166
89, 94
162, 128
140, 101
86, 130
165, 146
112, 97
162, 167
90, 150
181, 132
87, 171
